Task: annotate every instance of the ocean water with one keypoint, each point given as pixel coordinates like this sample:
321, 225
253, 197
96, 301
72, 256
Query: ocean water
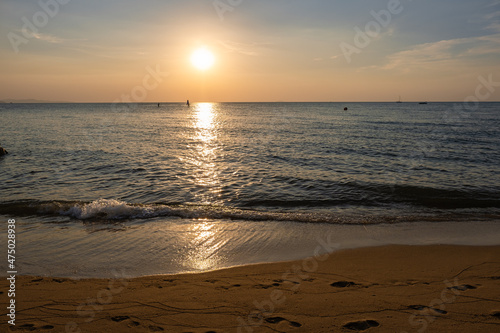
153, 190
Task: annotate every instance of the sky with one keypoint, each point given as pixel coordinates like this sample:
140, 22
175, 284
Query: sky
280, 50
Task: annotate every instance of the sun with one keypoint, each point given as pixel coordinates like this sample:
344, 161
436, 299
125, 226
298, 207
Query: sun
202, 59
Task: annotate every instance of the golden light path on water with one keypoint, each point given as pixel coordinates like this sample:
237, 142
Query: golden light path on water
205, 241
205, 152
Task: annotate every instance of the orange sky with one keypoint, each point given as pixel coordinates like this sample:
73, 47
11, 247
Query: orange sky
280, 51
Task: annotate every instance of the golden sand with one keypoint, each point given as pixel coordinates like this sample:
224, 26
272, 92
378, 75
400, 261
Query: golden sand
382, 289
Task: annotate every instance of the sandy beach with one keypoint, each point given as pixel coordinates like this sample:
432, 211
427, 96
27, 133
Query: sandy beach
382, 289
250, 166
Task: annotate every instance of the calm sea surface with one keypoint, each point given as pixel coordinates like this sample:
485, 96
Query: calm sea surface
148, 189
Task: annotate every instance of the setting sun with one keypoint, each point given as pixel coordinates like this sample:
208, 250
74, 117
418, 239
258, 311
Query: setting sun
202, 59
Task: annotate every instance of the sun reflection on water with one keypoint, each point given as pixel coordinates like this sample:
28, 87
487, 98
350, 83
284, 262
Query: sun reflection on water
203, 165
204, 113
204, 153
205, 246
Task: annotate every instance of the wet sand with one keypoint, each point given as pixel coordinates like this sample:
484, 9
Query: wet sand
381, 289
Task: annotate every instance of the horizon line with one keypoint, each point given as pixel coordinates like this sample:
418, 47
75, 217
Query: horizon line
33, 101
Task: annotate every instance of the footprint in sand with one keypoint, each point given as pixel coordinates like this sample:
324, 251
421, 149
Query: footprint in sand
277, 320
47, 327
31, 327
132, 323
228, 287
119, 318
343, 284
266, 286
463, 287
361, 325
24, 327
423, 307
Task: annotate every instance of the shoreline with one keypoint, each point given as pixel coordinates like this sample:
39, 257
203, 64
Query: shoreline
163, 246
391, 288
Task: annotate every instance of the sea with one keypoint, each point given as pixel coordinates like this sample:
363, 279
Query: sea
148, 189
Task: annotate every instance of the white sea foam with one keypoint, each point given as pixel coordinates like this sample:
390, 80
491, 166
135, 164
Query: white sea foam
109, 209
112, 209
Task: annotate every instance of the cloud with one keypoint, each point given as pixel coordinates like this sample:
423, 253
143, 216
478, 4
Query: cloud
47, 38
442, 55
249, 49
494, 21
492, 15
494, 3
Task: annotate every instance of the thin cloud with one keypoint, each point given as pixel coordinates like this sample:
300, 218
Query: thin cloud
47, 38
492, 15
494, 25
50, 38
494, 3
106, 52
442, 54
249, 49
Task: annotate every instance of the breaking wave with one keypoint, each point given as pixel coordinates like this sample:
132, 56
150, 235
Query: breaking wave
115, 210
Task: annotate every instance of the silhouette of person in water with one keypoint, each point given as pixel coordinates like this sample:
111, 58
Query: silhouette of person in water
187, 103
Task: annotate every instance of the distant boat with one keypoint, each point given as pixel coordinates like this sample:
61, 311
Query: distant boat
422, 103
399, 100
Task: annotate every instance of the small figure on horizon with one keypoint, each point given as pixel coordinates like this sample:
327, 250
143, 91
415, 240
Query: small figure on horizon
158, 104
345, 109
187, 102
